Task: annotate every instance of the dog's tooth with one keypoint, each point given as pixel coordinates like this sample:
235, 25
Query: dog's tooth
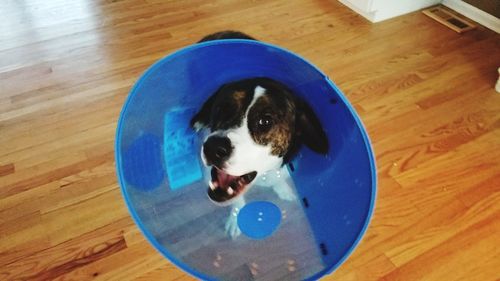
230, 191
213, 185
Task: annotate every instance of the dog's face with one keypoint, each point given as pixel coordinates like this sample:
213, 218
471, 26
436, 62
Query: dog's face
256, 125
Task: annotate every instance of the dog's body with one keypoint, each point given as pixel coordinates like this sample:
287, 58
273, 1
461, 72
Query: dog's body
255, 126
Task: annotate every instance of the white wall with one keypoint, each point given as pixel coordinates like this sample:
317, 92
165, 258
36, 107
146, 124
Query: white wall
385, 9
362, 7
379, 10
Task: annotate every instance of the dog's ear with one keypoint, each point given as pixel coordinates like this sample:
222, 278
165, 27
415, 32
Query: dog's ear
202, 119
309, 130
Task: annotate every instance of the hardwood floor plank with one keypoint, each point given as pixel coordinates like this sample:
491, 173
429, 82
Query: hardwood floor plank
76, 219
457, 250
68, 256
127, 264
54, 173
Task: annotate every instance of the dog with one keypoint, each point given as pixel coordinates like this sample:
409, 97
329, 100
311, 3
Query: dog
255, 126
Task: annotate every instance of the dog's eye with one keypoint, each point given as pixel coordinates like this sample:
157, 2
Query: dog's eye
265, 122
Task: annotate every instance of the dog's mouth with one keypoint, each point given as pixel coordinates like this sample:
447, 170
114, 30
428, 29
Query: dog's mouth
225, 187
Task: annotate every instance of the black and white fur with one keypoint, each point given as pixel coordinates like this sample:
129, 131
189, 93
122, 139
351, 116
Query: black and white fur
255, 126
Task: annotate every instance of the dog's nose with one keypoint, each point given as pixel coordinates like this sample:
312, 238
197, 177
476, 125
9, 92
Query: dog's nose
217, 150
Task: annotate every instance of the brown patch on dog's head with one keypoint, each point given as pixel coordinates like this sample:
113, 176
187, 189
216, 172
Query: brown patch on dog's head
223, 110
282, 120
271, 121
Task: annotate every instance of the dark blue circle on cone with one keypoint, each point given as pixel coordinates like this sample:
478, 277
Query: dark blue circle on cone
142, 164
259, 220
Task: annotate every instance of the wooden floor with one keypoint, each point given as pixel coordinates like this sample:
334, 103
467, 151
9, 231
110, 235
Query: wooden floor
424, 92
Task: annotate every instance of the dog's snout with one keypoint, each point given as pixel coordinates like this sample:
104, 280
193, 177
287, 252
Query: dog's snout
217, 150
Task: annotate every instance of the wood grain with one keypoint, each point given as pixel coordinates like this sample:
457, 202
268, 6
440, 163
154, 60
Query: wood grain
424, 93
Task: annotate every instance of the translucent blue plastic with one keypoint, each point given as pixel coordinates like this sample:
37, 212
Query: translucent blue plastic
164, 183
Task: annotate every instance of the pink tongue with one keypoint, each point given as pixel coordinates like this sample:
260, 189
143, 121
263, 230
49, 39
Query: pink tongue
224, 179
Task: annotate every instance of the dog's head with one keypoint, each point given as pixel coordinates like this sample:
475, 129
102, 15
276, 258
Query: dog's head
256, 125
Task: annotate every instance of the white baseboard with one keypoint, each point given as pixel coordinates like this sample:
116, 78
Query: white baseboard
474, 14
